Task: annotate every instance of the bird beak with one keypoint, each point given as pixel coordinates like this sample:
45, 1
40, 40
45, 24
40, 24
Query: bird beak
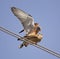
38, 28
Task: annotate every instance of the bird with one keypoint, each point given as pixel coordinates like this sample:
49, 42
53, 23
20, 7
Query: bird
31, 28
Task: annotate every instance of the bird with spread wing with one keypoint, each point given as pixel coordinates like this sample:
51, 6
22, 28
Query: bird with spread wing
32, 29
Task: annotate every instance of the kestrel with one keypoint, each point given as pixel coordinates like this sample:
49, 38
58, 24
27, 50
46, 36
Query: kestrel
32, 29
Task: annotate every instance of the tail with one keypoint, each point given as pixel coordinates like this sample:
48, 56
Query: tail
23, 44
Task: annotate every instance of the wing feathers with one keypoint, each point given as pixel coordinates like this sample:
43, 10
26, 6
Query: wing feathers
26, 19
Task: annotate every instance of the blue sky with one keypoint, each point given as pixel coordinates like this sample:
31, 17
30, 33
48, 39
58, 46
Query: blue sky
44, 12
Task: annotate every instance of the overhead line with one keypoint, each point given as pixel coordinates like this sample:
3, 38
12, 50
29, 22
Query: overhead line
30, 42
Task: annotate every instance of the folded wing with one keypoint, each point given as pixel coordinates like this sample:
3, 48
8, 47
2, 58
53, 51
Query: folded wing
26, 19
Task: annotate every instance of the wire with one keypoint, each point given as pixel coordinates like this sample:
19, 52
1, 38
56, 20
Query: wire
30, 42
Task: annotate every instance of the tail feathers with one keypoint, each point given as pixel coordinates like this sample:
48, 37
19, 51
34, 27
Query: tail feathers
23, 44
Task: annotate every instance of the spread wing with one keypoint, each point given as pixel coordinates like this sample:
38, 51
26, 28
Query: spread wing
26, 19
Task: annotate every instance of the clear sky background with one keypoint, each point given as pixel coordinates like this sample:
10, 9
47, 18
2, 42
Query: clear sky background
44, 12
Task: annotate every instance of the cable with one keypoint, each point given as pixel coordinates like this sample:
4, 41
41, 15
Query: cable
30, 42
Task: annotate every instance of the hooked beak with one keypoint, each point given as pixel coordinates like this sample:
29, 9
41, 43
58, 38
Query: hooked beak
38, 29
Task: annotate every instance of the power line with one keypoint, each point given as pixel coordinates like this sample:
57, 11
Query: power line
30, 42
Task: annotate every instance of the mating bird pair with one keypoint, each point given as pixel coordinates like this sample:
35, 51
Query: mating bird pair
32, 29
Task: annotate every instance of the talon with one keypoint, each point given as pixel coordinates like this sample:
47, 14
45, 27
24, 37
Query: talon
18, 39
21, 31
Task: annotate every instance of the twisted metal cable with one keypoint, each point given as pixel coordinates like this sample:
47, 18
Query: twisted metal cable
30, 42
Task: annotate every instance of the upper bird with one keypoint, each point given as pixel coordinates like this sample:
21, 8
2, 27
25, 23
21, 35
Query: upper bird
26, 20
32, 29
